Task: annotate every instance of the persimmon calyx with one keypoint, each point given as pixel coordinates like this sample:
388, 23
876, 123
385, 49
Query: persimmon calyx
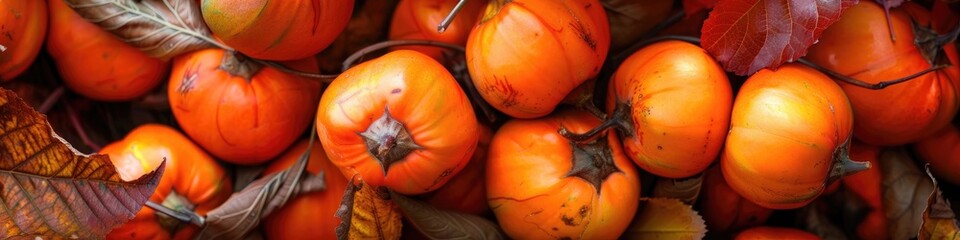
592, 162
620, 119
931, 44
238, 65
843, 165
177, 203
388, 140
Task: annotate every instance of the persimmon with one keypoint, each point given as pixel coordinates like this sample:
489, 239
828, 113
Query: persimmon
277, 30
789, 136
859, 46
418, 20
759, 233
672, 102
24, 29
525, 56
725, 211
942, 152
311, 215
541, 185
466, 192
241, 112
96, 64
192, 180
399, 121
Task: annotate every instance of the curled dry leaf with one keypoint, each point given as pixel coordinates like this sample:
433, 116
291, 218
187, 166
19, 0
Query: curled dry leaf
686, 190
666, 218
52, 191
905, 192
441, 224
367, 212
748, 35
939, 220
161, 28
243, 211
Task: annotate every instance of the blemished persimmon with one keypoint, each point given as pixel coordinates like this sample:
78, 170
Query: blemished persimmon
399, 121
675, 101
789, 136
193, 180
311, 215
526, 56
277, 30
859, 46
541, 185
418, 20
238, 111
24, 29
95, 63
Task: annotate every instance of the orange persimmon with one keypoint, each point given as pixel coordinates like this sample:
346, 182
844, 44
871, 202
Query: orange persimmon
24, 28
418, 20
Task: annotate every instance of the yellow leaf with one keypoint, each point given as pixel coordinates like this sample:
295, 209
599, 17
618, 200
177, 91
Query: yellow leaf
666, 218
366, 212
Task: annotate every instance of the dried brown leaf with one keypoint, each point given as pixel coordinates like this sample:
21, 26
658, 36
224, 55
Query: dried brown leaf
435, 223
686, 190
666, 218
939, 220
50, 190
366, 212
905, 192
161, 28
243, 211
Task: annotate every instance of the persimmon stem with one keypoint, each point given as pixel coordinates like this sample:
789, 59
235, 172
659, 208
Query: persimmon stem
843, 165
860, 83
886, 11
453, 13
393, 43
187, 217
325, 78
51, 100
615, 120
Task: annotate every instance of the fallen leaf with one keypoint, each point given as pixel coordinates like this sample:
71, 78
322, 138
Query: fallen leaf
748, 35
692, 7
686, 190
665, 218
243, 211
816, 221
630, 20
51, 190
161, 28
939, 221
366, 212
905, 192
441, 224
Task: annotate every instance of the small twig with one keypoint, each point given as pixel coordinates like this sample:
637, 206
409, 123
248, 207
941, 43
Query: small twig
51, 100
393, 43
187, 217
453, 13
323, 77
75, 122
860, 83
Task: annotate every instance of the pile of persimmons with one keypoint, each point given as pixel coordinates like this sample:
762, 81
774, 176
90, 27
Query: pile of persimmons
554, 119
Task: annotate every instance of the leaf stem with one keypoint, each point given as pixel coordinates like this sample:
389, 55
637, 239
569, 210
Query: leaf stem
187, 217
860, 83
393, 43
453, 13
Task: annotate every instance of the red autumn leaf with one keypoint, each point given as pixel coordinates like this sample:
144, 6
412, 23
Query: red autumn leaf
748, 35
692, 7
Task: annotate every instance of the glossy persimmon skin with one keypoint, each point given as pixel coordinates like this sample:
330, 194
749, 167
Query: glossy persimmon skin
466, 192
859, 46
725, 211
533, 198
24, 29
942, 152
679, 100
785, 128
761, 233
526, 57
311, 215
277, 30
240, 121
190, 172
95, 63
418, 20
422, 96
